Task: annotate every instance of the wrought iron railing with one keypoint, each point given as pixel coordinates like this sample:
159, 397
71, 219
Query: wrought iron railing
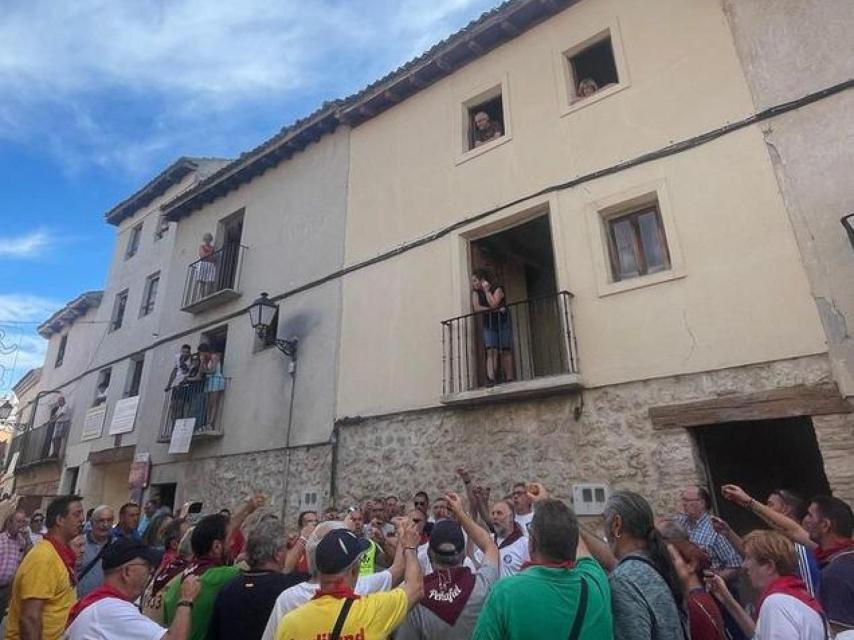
524, 340
42, 444
202, 401
218, 272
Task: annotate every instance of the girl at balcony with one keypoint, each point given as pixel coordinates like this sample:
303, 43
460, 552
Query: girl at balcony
206, 267
211, 365
489, 297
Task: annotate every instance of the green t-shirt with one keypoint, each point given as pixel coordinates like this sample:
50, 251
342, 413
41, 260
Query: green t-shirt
211, 581
541, 603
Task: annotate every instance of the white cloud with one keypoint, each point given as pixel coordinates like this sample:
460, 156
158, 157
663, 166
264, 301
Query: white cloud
21, 348
15, 307
134, 84
29, 245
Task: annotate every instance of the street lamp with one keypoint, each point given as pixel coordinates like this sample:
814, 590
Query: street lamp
261, 314
6, 410
848, 223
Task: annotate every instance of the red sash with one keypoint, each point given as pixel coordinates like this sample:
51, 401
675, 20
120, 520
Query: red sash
513, 537
67, 555
102, 592
791, 586
826, 554
336, 590
446, 592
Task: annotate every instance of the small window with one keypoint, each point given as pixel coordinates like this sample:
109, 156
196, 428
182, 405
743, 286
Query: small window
134, 375
637, 244
149, 294
60, 353
133, 241
162, 228
485, 121
102, 387
119, 310
592, 69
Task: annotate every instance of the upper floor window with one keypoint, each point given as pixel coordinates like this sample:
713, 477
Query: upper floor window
60, 352
592, 68
134, 375
133, 241
103, 386
149, 294
485, 121
637, 243
162, 227
119, 310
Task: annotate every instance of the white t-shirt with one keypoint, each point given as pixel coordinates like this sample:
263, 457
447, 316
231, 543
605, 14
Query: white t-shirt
511, 557
301, 593
113, 619
783, 617
525, 521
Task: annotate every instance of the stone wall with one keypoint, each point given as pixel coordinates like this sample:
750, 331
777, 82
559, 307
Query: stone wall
612, 441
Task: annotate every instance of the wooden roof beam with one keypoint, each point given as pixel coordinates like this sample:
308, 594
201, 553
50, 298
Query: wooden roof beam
474, 46
510, 28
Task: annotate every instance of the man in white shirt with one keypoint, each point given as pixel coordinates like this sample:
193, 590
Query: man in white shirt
108, 612
523, 506
301, 593
510, 538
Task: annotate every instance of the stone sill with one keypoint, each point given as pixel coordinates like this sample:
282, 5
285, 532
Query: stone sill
514, 390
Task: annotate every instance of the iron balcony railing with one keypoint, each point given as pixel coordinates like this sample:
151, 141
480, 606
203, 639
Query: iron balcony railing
219, 272
42, 444
202, 401
530, 339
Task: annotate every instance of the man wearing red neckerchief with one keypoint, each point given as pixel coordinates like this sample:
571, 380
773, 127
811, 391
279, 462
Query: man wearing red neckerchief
44, 588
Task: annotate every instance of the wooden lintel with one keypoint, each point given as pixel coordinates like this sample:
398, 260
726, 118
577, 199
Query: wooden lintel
789, 402
474, 46
510, 28
110, 456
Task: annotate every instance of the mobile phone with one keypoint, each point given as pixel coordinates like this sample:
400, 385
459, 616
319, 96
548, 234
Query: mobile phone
195, 507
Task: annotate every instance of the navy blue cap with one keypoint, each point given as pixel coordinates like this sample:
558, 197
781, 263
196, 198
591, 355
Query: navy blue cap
338, 550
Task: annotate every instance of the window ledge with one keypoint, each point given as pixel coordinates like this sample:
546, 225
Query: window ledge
519, 389
596, 97
474, 153
640, 281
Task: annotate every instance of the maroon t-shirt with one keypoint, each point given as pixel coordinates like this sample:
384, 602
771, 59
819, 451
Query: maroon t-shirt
704, 616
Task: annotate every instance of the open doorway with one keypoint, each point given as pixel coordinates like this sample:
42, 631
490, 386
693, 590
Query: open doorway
530, 328
761, 456
228, 240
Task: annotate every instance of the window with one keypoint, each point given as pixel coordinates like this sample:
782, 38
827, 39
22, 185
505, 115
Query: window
60, 353
134, 375
133, 241
149, 294
119, 310
485, 121
637, 244
162, 227
102, 387
592, 69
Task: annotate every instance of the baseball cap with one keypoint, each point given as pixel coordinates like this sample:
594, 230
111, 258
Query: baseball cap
124, 550
338, 550
447, 539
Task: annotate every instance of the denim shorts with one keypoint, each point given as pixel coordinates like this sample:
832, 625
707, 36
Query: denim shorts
501, 338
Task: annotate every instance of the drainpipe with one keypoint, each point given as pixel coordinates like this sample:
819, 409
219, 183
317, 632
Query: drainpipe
292, 369
333, 471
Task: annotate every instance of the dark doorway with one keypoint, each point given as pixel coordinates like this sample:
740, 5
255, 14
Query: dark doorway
761, 456
165, 493
217, 339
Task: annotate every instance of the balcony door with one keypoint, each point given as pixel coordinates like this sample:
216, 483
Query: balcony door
228, 241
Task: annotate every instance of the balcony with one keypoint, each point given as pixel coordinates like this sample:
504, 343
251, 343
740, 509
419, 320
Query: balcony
193, 400
214, 280
42, 444
537, 352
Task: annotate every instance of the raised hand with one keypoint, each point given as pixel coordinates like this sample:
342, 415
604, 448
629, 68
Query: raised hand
190, 588
720, 526
536, 491
464, 475
734, 493
455, 503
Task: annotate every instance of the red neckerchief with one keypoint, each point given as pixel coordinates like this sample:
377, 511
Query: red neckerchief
826, 554
102, 592
791, 586
166, 571
336, 590
513, 537
67, 555
199, 566
566, 564
446, 592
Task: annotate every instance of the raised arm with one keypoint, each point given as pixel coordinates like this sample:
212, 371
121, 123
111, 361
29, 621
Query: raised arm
413, 585
597, 548
475, 532
180, 627
298, 548
717, 587
781, 523
722, 527
251, 505
397, 567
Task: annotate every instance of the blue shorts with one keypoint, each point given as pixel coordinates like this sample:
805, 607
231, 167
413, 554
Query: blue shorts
501, 338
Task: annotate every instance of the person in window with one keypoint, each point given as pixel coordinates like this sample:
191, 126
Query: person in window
101, 395
485, 128
587, 87
206, 267
488, 296
211, 365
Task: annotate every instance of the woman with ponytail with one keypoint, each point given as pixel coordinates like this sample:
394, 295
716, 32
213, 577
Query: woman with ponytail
646, 593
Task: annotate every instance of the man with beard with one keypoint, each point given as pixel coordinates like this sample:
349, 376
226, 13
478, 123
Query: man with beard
510, 539
453, 594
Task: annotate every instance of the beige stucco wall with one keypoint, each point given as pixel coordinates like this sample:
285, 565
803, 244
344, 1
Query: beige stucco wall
741, 296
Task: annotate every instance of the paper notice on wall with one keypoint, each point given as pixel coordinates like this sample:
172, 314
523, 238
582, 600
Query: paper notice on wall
139, 468
124, 415
182, 435
93, 425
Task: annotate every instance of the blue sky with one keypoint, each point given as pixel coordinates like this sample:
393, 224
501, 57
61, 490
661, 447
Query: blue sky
99, 96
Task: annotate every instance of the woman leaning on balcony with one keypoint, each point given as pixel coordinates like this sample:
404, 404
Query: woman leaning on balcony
211, 365
489, 296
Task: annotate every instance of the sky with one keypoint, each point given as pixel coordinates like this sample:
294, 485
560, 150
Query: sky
99, 96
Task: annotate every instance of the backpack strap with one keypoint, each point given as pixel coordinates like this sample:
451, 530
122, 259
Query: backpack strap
85, 571
342, 617
575, 632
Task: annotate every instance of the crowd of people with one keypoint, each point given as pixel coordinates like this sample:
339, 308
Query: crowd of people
464, 565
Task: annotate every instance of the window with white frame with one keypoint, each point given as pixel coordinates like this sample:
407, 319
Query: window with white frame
133, 241
592, 67
119, 308
637, 244
484, 118
149, 294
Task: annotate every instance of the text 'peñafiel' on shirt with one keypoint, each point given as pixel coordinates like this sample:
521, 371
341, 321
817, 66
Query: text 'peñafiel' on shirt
373, 617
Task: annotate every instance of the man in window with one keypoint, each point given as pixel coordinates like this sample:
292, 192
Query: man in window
485, 128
